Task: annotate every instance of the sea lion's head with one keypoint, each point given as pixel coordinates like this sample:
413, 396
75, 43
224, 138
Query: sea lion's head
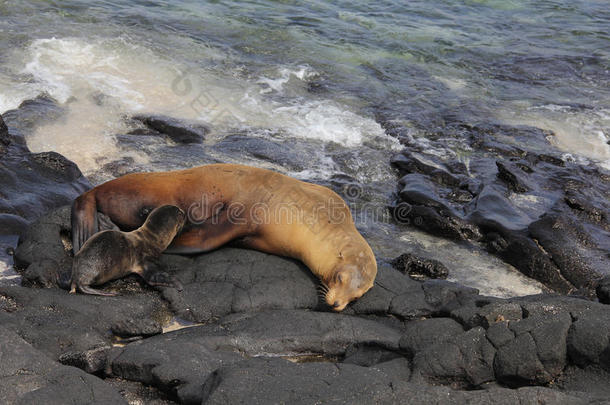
349, 280
165, 222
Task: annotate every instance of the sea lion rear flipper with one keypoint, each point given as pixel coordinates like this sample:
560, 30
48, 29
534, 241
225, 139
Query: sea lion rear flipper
93, 291
84, 220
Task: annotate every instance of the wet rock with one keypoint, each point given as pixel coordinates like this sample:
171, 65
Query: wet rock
31, 114
492, 209
288, 154
510, 174
577, 255
177, 130
407, 162
27, 376
522, 252
419, 268
32, 183
512, 192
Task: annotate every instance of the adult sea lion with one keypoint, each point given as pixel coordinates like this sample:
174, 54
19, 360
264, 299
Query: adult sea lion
254, 208
111, 254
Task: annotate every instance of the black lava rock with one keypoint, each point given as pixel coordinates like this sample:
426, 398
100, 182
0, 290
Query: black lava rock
27, 376
419, 268
174, 129
32, 183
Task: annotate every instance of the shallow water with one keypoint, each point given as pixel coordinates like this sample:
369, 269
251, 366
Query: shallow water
311, 82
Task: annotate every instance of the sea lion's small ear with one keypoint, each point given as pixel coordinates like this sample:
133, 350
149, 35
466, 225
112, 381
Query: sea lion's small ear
340, 255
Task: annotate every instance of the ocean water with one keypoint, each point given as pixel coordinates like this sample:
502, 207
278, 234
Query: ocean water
310, 81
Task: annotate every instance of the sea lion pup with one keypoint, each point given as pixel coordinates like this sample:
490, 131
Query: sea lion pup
110, 254
251, 207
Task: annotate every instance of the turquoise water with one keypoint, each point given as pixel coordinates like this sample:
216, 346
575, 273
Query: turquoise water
320, 81
423, 62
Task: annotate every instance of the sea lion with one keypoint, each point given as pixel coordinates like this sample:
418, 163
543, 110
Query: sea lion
111, 254
254, 208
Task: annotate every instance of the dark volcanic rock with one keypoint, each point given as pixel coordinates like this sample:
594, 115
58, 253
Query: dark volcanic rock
176, 130
536, 354
27, 376
589, 339
56, 322
32, 183
578, 255
464, 361
546, 217
45, 250
419, 268
287, 153
136, 327
91, 361
204, 348
420, 334
603, 290
263, 381
238, 280
510, 174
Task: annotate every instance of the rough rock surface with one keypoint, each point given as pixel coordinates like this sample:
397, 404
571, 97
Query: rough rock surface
259, 333
27, 376
535, 209
175, 130
419, 268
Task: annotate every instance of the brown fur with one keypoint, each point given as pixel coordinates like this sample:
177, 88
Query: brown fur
111, 254
256, 208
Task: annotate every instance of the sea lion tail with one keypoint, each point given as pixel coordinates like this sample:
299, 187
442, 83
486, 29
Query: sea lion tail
84, 220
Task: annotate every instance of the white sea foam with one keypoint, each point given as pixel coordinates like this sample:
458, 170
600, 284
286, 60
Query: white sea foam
582, 133
130, 79
473, 268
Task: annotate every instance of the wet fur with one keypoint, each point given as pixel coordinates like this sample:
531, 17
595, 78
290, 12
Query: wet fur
111, 254
328, 248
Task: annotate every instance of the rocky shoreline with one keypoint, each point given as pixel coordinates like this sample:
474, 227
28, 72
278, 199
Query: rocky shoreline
257, 330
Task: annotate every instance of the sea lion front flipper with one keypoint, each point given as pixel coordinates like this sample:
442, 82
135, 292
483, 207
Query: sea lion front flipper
93, 291
84, 220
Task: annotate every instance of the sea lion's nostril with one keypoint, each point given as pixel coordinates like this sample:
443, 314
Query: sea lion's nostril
336, 304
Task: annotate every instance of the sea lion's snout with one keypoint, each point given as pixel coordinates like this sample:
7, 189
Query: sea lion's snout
346, 286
